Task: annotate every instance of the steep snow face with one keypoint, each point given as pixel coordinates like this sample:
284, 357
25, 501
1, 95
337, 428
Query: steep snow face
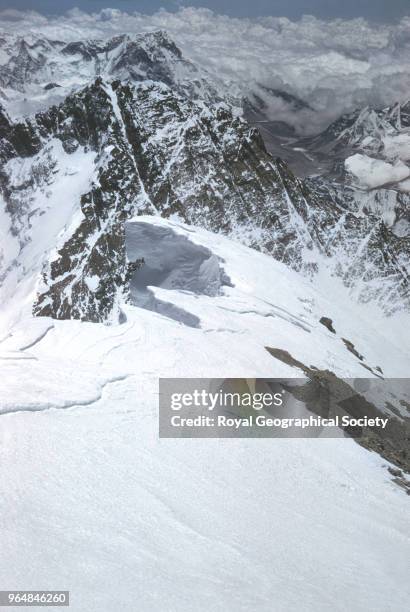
41, 209
112, 491
36, 73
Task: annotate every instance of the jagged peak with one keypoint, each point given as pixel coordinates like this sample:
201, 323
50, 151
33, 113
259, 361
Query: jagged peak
373, 117
151, 55
149, 41
160, 38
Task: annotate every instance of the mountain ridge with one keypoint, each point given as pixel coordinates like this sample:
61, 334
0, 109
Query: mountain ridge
155, 148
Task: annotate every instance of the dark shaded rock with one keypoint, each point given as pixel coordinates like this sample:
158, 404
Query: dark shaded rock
328, 323
350, 347
51, 86
395, 472
323, 388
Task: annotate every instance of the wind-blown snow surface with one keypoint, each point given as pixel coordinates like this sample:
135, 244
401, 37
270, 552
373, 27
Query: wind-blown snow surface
94, 502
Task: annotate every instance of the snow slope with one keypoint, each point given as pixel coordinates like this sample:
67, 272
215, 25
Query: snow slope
97, 504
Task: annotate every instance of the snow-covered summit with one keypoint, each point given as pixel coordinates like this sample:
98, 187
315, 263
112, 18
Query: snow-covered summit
36, 72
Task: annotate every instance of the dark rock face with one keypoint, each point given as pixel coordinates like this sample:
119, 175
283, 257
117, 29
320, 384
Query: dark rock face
209, 167
328, 323
17, 139
159, 149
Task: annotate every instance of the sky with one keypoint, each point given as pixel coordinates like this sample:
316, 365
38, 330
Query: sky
377, 10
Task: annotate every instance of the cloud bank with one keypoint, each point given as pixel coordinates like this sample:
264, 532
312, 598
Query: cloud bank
335, 66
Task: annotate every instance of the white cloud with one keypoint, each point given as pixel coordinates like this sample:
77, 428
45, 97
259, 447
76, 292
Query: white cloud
372, 173
336, 66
